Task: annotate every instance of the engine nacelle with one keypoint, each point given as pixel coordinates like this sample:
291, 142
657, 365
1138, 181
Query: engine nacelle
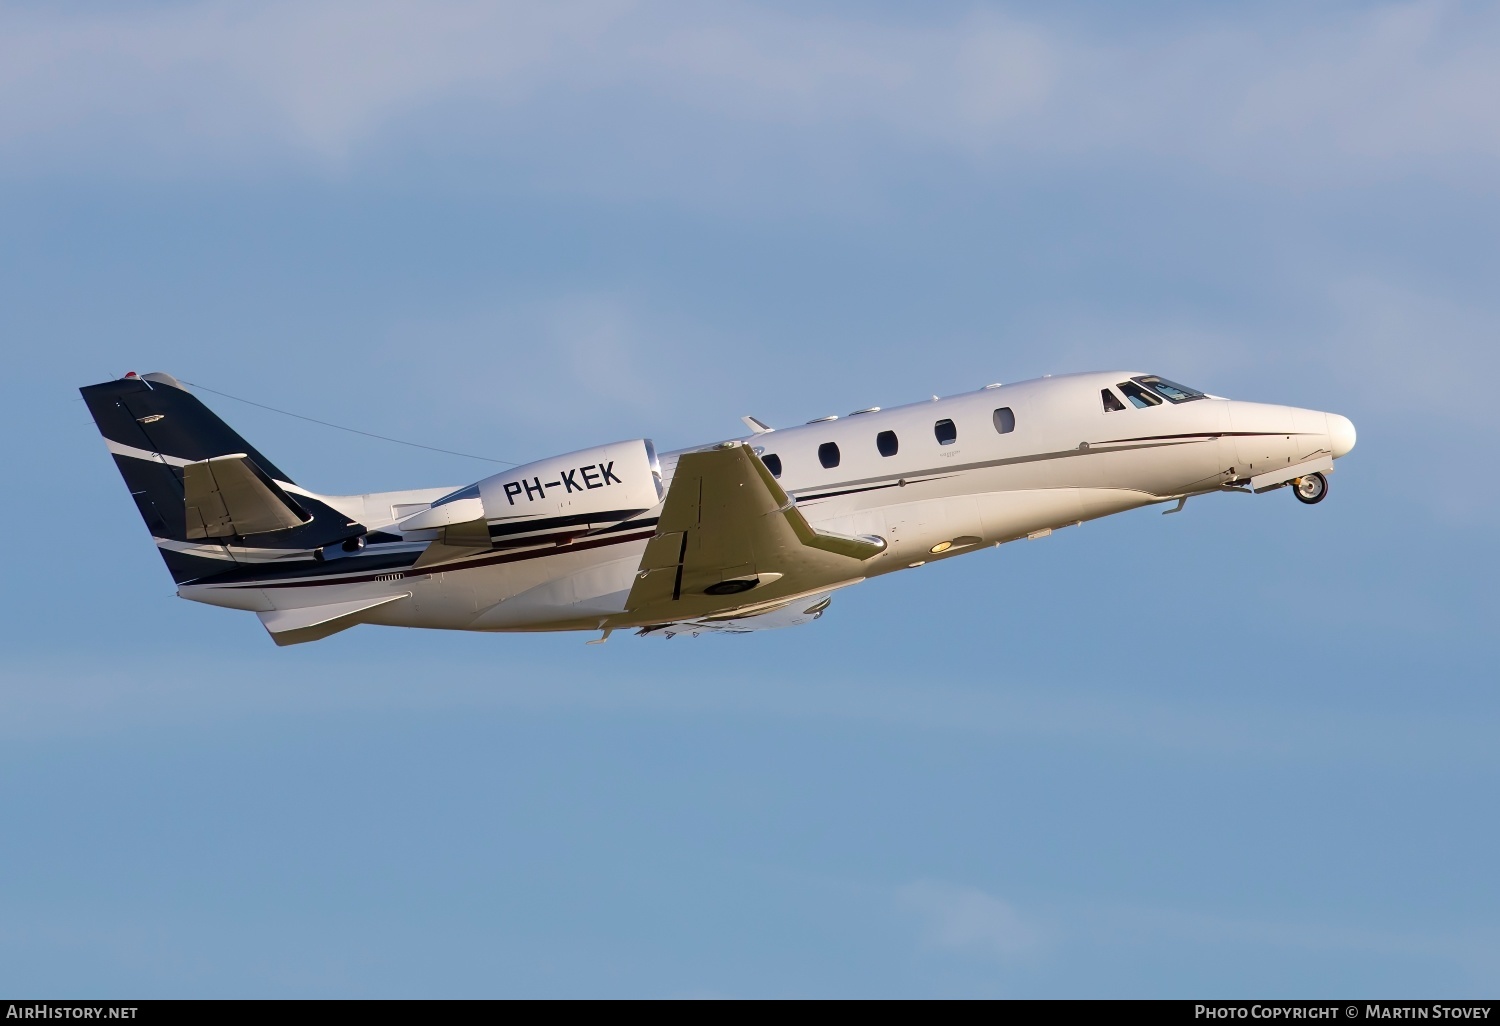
553, 498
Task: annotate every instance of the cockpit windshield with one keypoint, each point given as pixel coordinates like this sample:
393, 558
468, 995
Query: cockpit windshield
1138, 396
1170, 390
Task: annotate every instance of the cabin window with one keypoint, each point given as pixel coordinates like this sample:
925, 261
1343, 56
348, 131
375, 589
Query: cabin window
1170, 390
1005, 420
887, 443
828, 455
1111, 403
773, 463
946, 433
1138, 396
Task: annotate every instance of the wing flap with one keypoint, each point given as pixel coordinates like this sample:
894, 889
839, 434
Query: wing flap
785, 614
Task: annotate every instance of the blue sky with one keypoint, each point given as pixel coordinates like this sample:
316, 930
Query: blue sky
1242, 751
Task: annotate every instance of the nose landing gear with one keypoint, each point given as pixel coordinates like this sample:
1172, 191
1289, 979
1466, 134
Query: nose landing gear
1310, 488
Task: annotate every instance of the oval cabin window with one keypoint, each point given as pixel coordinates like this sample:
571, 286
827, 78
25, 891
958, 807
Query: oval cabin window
946, 433
887, 443
1005, 420
773, 463
828, 455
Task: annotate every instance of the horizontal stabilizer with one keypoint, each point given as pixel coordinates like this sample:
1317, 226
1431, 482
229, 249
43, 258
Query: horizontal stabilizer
311, 623
229, 495
197, 502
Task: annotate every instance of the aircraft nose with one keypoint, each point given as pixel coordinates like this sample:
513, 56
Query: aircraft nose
1340, 434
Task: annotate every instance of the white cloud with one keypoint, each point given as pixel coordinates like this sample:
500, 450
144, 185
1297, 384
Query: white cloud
593, 363
1399, 82
1307, 98
86, 697
1474, 951
1440, 355
968, 920
223, 79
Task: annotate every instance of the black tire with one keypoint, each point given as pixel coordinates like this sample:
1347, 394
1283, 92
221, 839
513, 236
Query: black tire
1310, 489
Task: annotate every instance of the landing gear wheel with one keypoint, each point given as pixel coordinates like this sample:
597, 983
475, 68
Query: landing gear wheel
1310, 488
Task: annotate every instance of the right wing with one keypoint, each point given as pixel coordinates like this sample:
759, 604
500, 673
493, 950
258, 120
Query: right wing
788, 614
729, 538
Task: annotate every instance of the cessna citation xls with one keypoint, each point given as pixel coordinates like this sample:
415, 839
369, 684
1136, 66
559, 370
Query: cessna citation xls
740, 535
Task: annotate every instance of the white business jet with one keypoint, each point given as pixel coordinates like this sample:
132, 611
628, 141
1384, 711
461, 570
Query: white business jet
751, 533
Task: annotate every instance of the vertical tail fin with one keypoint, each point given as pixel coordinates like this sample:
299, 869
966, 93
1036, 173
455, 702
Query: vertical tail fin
156, 431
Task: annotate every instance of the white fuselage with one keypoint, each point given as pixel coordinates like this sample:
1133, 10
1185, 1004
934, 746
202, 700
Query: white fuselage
1066, 460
